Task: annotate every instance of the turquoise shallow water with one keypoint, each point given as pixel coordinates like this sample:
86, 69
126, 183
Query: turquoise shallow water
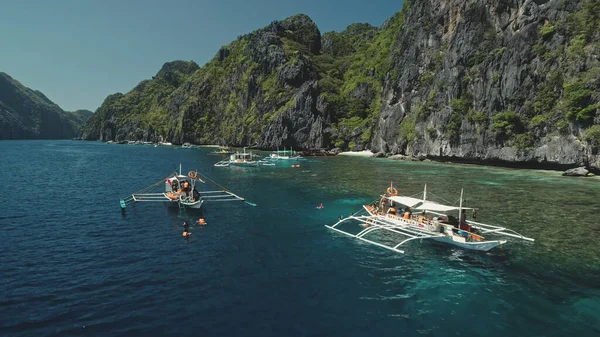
73, 265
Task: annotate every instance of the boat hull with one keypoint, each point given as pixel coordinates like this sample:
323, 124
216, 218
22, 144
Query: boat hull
244, 164
187, 205
193, 205
482, 246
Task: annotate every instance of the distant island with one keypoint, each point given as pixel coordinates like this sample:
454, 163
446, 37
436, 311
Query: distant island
29, 114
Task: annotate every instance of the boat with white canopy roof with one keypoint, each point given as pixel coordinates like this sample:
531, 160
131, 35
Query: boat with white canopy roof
244, 159
384, 225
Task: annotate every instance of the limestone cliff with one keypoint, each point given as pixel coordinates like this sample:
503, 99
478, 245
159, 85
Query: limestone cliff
495, 81
488, 81
259, 90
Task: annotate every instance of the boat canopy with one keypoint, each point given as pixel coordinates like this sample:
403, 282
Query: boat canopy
418, 204
434, 206
406, 201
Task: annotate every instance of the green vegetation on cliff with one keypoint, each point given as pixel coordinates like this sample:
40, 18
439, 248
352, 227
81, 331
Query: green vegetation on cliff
237, 96
462, 79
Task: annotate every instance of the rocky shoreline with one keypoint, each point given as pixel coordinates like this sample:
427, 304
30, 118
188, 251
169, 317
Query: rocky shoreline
571, 171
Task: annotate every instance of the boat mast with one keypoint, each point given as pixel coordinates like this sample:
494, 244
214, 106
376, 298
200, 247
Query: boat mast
179, 168
460, 208
425, 193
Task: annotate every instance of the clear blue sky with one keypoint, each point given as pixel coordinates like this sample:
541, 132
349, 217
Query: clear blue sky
77, 52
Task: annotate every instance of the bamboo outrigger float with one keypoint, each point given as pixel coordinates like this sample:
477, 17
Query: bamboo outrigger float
182, 191
431, 223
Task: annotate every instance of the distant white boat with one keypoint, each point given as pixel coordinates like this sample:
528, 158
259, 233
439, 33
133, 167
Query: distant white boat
284, 155
244, 159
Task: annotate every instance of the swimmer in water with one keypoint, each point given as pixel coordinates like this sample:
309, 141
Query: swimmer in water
320, 206
186, 229
202, 222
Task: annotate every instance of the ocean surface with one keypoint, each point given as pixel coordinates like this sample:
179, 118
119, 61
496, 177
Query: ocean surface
72, 264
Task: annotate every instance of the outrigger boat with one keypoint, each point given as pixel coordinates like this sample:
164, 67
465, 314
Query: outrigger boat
430, 221
182, 191
284, 155
242, 159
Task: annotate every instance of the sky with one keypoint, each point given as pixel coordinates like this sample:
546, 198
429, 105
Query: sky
77, 52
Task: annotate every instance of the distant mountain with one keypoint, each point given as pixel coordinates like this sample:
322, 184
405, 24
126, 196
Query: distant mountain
78, 118
29, 114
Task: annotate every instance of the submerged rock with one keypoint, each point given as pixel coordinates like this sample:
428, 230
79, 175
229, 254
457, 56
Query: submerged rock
576, 172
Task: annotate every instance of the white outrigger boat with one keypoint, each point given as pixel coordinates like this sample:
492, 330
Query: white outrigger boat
182, 191
284, 155
428, 222
245, 159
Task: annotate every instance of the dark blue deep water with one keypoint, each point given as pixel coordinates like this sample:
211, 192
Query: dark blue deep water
71, 264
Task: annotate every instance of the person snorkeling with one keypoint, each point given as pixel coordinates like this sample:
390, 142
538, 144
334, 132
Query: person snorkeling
186, 229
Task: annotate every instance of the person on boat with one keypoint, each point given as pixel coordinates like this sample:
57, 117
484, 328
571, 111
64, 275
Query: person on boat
463, 222
196, 194
174, 185
407, 213
391, 210
186, 188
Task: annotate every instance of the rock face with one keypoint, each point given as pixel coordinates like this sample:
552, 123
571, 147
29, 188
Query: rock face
486, 81
29, 114
494, 81
259, 90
